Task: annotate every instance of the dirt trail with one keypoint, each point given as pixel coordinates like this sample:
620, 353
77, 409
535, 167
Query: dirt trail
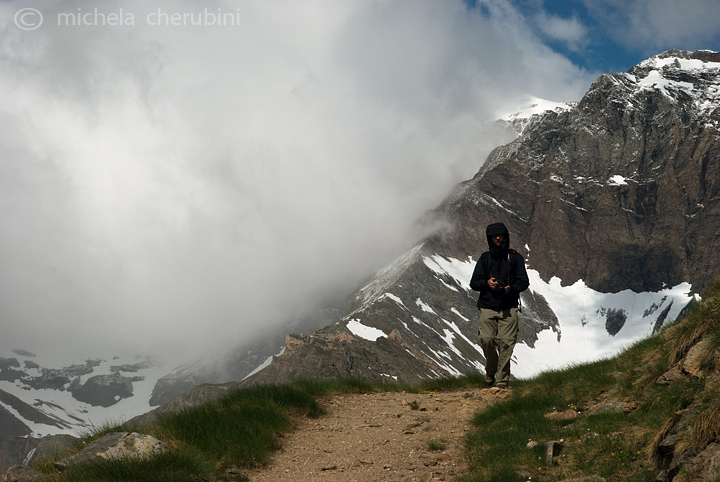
380, 437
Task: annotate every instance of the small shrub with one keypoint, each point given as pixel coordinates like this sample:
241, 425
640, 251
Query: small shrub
436, 445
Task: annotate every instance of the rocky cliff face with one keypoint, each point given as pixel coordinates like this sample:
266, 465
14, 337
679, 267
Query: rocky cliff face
621, 190
618, 195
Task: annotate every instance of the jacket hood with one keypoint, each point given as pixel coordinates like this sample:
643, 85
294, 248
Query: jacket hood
498, 228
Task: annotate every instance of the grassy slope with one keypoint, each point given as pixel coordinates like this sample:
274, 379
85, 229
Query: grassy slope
620, 442
216, 440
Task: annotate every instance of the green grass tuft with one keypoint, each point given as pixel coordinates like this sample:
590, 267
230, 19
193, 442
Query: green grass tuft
177, 466
320, 388
502, 474
240, 434
436, 445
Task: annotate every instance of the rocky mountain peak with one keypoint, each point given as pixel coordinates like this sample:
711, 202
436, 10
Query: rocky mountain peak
623, 176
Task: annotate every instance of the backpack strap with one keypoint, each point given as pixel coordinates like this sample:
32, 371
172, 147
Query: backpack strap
512, 260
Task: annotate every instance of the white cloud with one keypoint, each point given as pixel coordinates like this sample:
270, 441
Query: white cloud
651, 27
179, 187
570, 31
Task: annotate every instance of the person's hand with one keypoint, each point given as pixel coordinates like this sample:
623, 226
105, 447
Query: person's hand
507, 289
493, 284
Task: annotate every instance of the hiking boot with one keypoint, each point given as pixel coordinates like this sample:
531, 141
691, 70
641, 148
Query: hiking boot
502, 386
489, 380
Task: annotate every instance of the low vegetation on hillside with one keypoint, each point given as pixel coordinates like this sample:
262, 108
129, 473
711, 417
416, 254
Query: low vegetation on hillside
610, 418
214, 441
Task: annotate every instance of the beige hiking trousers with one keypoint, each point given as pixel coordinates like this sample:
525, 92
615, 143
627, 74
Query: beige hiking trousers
498, 332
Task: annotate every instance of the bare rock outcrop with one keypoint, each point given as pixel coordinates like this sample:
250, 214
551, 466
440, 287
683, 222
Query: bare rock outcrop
688, 442
20, 473
116, 445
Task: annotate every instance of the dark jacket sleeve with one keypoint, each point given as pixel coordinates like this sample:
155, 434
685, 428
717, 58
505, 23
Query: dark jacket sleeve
479, 279
520, 279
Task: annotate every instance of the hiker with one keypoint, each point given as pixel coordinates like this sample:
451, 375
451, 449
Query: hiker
499, 276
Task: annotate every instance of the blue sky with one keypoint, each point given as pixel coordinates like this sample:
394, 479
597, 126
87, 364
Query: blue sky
614, 35
201, 183
586, 43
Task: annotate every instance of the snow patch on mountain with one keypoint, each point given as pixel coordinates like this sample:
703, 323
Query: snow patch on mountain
76, 416
586, 323
449, 369
363, 331
592, 325
655, 80
529, 107
460, 271
424, 306
679, 62
617, 180
394, 298
454, 310
456, 329
264, 364
663, 74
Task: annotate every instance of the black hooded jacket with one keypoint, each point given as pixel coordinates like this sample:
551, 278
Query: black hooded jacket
505, 265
